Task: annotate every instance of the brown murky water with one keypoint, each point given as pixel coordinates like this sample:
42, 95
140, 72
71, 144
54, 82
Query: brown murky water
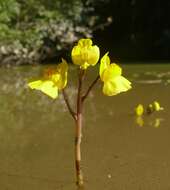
119, 153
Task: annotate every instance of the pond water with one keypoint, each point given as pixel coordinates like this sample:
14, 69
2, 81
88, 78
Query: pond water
119, 151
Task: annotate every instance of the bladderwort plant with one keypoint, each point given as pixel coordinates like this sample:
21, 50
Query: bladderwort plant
84, 55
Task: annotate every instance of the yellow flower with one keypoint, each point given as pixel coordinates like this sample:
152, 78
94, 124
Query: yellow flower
139, 110
111, 75
52, 81
157, 106
84, 54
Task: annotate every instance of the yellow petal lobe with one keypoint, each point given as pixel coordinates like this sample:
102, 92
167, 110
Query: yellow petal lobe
46, 86
117, 85
104, 63
35, 84
49, 89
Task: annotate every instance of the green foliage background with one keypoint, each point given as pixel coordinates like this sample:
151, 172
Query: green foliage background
35, 30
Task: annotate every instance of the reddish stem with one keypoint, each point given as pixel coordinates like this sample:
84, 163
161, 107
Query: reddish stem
73, 114
90, 88
78, 137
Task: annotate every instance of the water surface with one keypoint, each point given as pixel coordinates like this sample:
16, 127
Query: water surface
119, 151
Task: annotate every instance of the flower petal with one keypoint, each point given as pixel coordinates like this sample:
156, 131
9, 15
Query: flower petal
35, 84
122, 84
49, 89
46, 86
93, 55
85, 42
157, 106
104, 63
59, 77
76, 55
111, 72
109, 89
117, 85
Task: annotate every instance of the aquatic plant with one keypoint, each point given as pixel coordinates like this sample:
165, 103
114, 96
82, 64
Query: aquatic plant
150, 109
34, 31
84, 55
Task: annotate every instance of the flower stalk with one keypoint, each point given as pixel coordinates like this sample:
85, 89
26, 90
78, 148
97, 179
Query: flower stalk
73, 114
78, 117
78, 130
90, 88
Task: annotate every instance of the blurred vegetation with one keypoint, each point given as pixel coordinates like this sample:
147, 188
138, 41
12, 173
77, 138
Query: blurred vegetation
32, 31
